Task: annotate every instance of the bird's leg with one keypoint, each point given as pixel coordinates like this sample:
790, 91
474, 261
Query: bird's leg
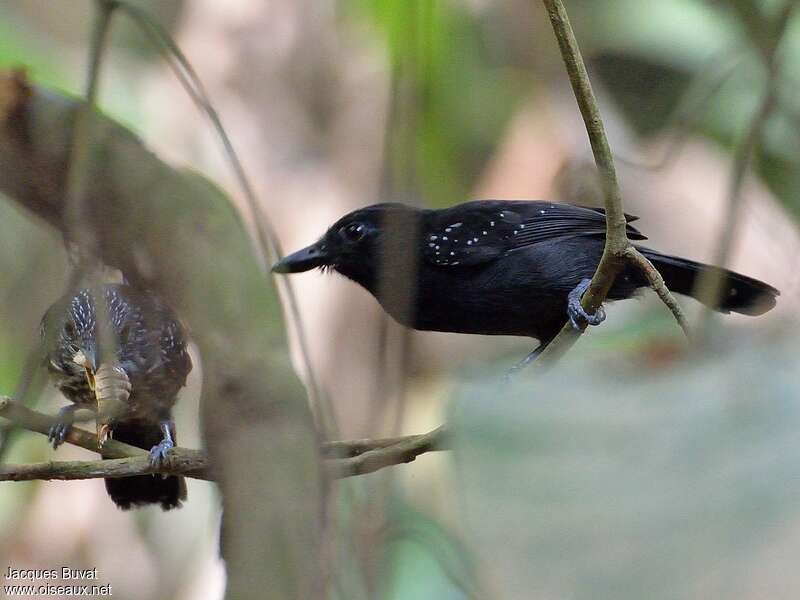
158, 453
58, 431
575, 311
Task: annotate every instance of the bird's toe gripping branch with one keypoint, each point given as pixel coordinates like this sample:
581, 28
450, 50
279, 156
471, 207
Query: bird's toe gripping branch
57, 433
158, 453
577, 315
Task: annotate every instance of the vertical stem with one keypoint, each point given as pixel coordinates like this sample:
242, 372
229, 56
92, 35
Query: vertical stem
76, 184
587, 103
710, 285
80, 155
616, 238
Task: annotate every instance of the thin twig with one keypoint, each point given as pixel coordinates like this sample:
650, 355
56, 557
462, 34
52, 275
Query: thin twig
404, 451
76, 184
80, 157
617, 242
346, 458
711, 283
350, 448
268, 244
657, 283
40, 423
617, 250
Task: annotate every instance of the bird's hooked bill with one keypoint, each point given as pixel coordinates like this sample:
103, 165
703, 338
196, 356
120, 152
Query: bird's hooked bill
306, 259
87, 360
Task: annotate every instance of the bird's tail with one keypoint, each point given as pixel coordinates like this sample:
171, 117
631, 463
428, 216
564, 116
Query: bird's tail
127, 492
739, 294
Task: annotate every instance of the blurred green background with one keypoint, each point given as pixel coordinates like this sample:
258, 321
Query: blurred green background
631, 471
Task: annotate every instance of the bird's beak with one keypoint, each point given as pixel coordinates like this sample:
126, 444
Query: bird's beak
306, 259
87, 358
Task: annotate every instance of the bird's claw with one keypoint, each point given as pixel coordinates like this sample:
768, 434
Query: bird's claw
57, 433
577, 315
158, 453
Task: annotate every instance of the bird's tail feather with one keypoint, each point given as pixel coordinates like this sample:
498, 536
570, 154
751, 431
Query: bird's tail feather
127, 492
740, 294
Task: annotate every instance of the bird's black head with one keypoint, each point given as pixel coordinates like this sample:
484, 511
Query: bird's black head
359, 244
78, 344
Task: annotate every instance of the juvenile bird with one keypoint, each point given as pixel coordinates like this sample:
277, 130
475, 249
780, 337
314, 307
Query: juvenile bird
496, 267
141, 337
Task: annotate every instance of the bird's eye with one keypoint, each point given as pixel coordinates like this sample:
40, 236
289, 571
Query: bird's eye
353, 232
69, 329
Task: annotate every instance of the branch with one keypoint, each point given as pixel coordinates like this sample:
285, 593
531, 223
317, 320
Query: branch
181, 462
80, 155
659, 287
347, 458
40, 423
396, 452
616, 250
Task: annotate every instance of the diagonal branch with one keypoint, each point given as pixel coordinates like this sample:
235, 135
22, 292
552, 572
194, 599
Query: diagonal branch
346, 458
659, 287
401, 450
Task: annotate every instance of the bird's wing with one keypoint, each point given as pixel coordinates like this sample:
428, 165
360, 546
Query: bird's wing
480, 232
175, 357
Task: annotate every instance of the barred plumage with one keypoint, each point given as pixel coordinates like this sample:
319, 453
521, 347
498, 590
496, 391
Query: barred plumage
140, 335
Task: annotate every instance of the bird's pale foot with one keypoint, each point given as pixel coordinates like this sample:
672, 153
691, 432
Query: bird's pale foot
158, 453
58, 431
577, 315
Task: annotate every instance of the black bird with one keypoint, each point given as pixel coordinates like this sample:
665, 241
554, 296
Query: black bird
137, 333
496, 267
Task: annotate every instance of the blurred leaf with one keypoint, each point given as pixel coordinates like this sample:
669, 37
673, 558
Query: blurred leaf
173, 231
628, 483
648, 51
423, 559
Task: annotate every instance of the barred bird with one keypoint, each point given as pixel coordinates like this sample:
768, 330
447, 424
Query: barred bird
142, 338
496, 267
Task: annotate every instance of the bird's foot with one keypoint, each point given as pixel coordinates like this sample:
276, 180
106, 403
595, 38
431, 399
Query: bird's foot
58, 431
158, 453
577, 315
